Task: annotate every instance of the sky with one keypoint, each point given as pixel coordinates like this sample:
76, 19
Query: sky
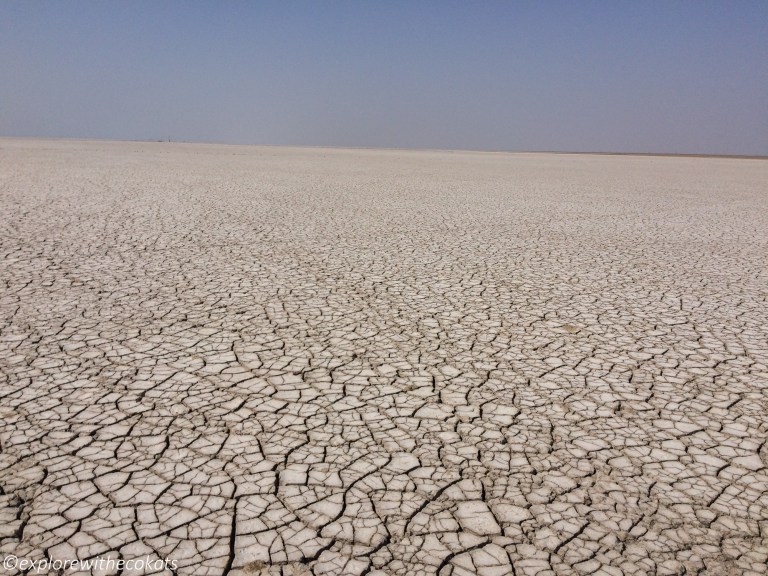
645, 76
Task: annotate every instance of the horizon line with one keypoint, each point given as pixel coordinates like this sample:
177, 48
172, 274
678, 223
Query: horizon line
395, 148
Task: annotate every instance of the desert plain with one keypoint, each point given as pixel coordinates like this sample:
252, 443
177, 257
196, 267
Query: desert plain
265, 360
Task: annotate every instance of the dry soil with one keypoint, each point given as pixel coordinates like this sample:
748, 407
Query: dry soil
257, 360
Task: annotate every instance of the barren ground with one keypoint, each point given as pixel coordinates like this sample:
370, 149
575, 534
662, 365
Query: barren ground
261, 360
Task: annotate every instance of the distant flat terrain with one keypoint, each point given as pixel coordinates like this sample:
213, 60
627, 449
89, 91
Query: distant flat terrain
264, 360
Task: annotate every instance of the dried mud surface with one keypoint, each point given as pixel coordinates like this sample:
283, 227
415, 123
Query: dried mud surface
258, 360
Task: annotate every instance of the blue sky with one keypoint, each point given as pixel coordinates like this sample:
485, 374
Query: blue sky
660, 76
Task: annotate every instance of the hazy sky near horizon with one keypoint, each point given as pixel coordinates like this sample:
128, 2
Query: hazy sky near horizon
665, 76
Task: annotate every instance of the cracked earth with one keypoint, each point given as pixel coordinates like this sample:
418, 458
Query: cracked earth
313, 361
